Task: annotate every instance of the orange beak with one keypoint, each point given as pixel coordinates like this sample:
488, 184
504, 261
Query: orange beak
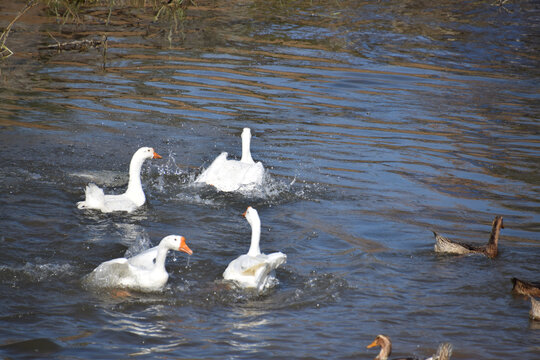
156, 155
374, 343
183, 246
245, 212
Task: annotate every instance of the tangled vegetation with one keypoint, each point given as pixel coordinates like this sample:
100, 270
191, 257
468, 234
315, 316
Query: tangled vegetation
171, 12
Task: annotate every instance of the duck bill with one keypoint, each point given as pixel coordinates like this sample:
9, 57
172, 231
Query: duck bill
183, 247
373, 344
156, 155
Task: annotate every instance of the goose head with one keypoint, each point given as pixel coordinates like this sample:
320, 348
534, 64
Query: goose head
385, 344
176, 242
252, 216
146, 153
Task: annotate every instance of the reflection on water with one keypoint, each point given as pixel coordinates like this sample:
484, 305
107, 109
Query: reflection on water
244, 327
376, 121
134, 324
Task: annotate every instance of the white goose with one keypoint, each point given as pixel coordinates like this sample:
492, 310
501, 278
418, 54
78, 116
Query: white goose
254, 270
144, 272
128, 201
232, 175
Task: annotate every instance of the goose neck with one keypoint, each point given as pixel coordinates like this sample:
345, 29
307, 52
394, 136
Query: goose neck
134, 189
161, 256
254, 248
246, 152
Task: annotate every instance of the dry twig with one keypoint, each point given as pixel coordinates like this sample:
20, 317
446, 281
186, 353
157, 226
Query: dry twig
5, 52
73, 45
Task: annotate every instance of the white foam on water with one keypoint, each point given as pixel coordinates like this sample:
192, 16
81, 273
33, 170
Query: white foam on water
36, 273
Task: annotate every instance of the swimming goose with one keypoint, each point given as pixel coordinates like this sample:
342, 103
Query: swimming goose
144, 272
443, 245
525, 288
232, 175
128, 201
254, 270
444, 352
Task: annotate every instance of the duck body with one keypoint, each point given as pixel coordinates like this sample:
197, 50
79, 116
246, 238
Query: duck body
444, 245
254, 269
525, 288
233, 175
535, 309
143, 272
129, 201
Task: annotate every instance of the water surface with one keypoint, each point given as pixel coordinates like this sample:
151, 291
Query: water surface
376, 122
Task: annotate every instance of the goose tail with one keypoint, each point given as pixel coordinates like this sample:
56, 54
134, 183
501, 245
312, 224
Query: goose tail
94, 198
276, 259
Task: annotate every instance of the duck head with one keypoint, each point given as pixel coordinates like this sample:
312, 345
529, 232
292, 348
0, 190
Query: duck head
386, 346
498, 222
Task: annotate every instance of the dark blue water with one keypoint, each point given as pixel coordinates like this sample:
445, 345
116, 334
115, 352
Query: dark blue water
376, 122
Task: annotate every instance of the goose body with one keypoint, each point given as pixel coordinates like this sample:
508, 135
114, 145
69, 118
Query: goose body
444, 245
129, 201
254, 269
232, 175
444, 352
144, 272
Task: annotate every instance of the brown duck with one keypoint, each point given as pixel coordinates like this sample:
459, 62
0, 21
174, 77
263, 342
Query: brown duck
525, 288
443, 245
535, 309
444, 352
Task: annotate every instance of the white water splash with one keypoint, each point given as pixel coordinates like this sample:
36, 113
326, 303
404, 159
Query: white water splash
141, 243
